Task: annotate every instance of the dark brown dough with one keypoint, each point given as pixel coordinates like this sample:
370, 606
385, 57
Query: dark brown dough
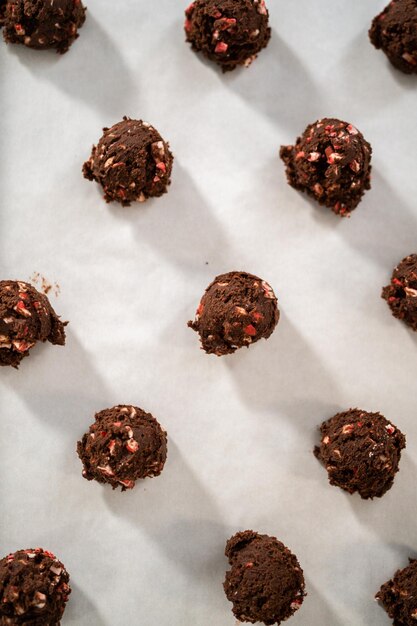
26, 317
123, 445
331, 162
33, 588
395, 32
265, 582
2, 11
43, 24
236, 310
228, 32
131, 162
398, 596
361, 452
401, 293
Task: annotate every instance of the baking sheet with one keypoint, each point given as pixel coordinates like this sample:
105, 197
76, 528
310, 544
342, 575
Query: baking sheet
241, 428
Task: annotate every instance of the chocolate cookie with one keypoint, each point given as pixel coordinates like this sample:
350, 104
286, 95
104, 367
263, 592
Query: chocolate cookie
131, 162
33, 588
398, 596
236, 310
26, 317
395, 32
331, 162
43, 24
123, 445
228, 32
265, 582
401, 294
361, 452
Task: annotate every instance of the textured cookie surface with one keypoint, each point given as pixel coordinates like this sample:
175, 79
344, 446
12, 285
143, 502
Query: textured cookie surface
265, 582
26, 317
42, 24
361, 452
131, 162
228, 32
34, 588
123, 445
401, 293
236, 310
331, 161
398, 596
395, 32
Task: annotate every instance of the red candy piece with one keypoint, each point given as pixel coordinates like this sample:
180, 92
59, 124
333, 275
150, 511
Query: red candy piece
221, 47
129, 484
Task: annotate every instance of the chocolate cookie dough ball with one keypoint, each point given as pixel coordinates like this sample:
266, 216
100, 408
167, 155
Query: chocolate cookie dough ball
398, 596
395, 32
228, 32
123, 445
33, 588
131, 162
361, 452
236, 310
43, 24
265, 582
401, 294
26, 317
331, 162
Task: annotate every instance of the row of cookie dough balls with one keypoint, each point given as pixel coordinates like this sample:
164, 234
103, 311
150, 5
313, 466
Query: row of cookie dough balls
331, 161
265, 583
236, 310
228, 32
361, 451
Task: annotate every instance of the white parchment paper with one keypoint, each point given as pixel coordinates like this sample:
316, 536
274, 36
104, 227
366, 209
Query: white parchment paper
241, 428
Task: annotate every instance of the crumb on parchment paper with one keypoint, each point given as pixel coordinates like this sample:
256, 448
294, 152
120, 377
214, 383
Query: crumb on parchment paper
44, 284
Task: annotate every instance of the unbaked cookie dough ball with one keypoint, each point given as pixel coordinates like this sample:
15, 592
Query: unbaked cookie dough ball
401, 293
395, 32
26, 316
33, 588
123, 445
331, 161
361, 452
236, 310
265, 582
42, 24
398, 596
131, 162
228, 32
